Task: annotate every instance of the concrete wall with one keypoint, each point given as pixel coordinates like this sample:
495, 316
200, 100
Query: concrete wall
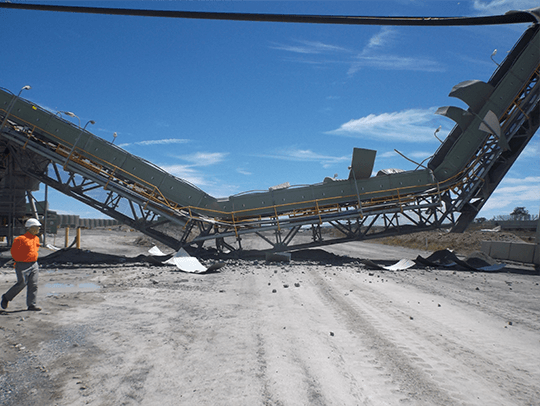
513, 251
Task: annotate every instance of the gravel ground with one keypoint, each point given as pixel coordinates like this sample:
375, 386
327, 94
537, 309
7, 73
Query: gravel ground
322, 329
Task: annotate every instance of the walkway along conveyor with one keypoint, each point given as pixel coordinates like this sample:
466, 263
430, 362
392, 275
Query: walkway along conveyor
503, 115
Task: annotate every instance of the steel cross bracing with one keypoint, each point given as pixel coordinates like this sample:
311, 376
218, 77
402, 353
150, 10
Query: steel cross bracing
424, 212
455, 205
486, 171
90, 187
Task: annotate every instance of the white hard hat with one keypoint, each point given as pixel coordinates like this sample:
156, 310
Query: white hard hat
31, 223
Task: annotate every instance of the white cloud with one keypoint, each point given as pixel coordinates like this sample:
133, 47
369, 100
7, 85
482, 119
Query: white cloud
188, 173
205, 158
163, 141
310, 47
306, 155
414, 125
511, 193
222, 190
371, 56
502, 6
381, 39
419, 154
192, 173
394, 62
243, 171
387, 154
532, 150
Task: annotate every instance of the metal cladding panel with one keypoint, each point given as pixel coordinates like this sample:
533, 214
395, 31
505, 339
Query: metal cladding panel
28, 114
207, 201
325, 194
247, 205
101, 149
129, 168
340, 188
517, 76
180, 192
362, 163
5, 99
50, 125
140, 171
409, 179
461, 117
80, 141
473, 92
290, 198
59, 130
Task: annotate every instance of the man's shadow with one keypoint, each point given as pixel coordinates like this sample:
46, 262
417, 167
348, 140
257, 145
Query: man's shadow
8, 312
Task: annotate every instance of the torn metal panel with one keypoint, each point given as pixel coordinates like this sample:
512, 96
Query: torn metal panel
182, 260
400, 265
446, 258
362, 163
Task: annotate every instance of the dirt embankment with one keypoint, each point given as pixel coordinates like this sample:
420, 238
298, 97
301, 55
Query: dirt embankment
462, 243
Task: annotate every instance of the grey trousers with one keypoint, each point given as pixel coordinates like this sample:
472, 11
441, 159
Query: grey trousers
27, 275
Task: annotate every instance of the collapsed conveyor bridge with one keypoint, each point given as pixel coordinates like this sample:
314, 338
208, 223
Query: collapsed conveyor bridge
502, 117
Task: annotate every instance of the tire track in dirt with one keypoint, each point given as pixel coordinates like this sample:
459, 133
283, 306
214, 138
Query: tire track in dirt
454, 358
414, 383
489, 357
322, 350
287, 379
303, 365
493, 296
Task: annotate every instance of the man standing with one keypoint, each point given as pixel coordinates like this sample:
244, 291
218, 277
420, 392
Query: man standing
25, 254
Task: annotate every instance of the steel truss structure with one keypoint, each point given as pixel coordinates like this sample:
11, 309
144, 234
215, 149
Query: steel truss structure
48, 149
452, 205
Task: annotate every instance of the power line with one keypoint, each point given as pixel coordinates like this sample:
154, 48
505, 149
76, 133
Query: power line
514, 17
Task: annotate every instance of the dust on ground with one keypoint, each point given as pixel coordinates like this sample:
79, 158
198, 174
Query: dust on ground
319, 330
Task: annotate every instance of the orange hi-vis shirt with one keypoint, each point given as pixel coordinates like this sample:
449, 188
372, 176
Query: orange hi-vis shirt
25, 248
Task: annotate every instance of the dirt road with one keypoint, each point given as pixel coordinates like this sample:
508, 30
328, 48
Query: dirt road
311, 332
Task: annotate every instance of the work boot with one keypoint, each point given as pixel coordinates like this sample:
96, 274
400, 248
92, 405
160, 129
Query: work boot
34, 308
4, 303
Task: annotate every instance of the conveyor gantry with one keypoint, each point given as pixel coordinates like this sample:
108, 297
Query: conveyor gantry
502, 117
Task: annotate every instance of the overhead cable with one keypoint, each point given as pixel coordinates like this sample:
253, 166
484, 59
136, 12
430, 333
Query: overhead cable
513, 17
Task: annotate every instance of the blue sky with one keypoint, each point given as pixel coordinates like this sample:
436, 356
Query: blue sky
239, 106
